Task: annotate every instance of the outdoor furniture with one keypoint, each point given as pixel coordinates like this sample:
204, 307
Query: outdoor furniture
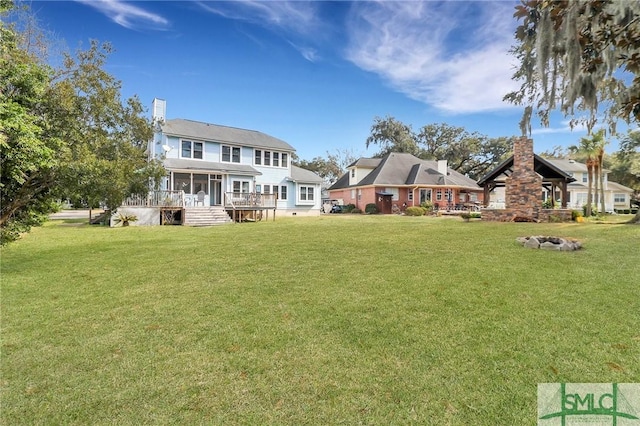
200, 198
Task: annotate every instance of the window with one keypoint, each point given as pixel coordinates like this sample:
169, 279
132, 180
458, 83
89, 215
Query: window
191, 150
265, 189
438, 194
306, 193
410, 195
353, 173
448, 194
271, 158
584, 177
353, 194
619, 198
394, 191
240, 186
283, 192
230, 154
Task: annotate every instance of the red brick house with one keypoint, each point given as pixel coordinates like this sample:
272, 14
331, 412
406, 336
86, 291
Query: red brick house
403, 180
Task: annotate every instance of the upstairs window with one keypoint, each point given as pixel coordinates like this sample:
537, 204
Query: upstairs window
190, 149
270, 158
230, 154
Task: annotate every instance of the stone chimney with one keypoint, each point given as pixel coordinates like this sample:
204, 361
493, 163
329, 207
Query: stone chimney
524, 185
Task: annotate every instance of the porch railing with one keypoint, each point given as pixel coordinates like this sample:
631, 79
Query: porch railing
156, 199
238, 200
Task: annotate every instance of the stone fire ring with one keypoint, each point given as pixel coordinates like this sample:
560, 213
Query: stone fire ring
550, 243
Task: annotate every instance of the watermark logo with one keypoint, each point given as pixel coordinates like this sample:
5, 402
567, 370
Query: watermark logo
593, 404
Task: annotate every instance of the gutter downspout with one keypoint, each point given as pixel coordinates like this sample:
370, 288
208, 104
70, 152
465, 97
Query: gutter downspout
413, 198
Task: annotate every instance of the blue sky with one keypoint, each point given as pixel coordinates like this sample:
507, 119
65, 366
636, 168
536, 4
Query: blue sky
313, 73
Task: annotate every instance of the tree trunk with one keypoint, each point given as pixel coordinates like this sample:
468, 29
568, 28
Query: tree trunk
596, 192
636, 218
587, 212
601, 178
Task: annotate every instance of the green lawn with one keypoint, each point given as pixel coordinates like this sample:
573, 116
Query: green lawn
332, 320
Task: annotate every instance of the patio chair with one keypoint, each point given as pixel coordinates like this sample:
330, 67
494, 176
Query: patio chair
200, 197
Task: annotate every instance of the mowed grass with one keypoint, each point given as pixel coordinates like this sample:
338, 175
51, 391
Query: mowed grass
342, 319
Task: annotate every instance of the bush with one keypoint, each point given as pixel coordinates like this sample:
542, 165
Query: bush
427, 205
356, 211
371, 208
575, 214
415, 211
348, 208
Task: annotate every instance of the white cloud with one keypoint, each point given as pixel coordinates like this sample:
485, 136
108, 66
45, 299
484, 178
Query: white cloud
451, 55
127, 15
293, 18
298, 17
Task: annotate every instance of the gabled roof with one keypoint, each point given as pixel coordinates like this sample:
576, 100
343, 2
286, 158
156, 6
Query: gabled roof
177, 164
231, 135
570, 165
366, 163
541, 166
615, 186
401, 169
298, 174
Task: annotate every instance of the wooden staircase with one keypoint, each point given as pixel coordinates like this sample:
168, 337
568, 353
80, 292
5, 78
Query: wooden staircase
206, 216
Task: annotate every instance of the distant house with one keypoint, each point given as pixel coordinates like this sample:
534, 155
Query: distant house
616, 196
402, 180
214, 169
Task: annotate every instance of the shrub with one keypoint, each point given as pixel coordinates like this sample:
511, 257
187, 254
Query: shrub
371, 208
427, 205
347, 208
575, 214
356, 211
415, 211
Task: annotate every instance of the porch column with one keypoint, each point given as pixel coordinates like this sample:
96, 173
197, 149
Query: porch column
565, 193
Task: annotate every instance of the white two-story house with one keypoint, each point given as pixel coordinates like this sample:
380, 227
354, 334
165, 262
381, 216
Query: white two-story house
616, 196
231, 168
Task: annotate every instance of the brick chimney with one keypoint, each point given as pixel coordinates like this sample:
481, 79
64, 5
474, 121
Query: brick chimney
524, 186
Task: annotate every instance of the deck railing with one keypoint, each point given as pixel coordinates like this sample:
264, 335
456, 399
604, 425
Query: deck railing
156, 199
252, 200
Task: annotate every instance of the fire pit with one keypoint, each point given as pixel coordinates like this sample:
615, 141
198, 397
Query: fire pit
550, 243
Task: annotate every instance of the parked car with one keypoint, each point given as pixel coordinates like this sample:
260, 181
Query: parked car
336, 209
